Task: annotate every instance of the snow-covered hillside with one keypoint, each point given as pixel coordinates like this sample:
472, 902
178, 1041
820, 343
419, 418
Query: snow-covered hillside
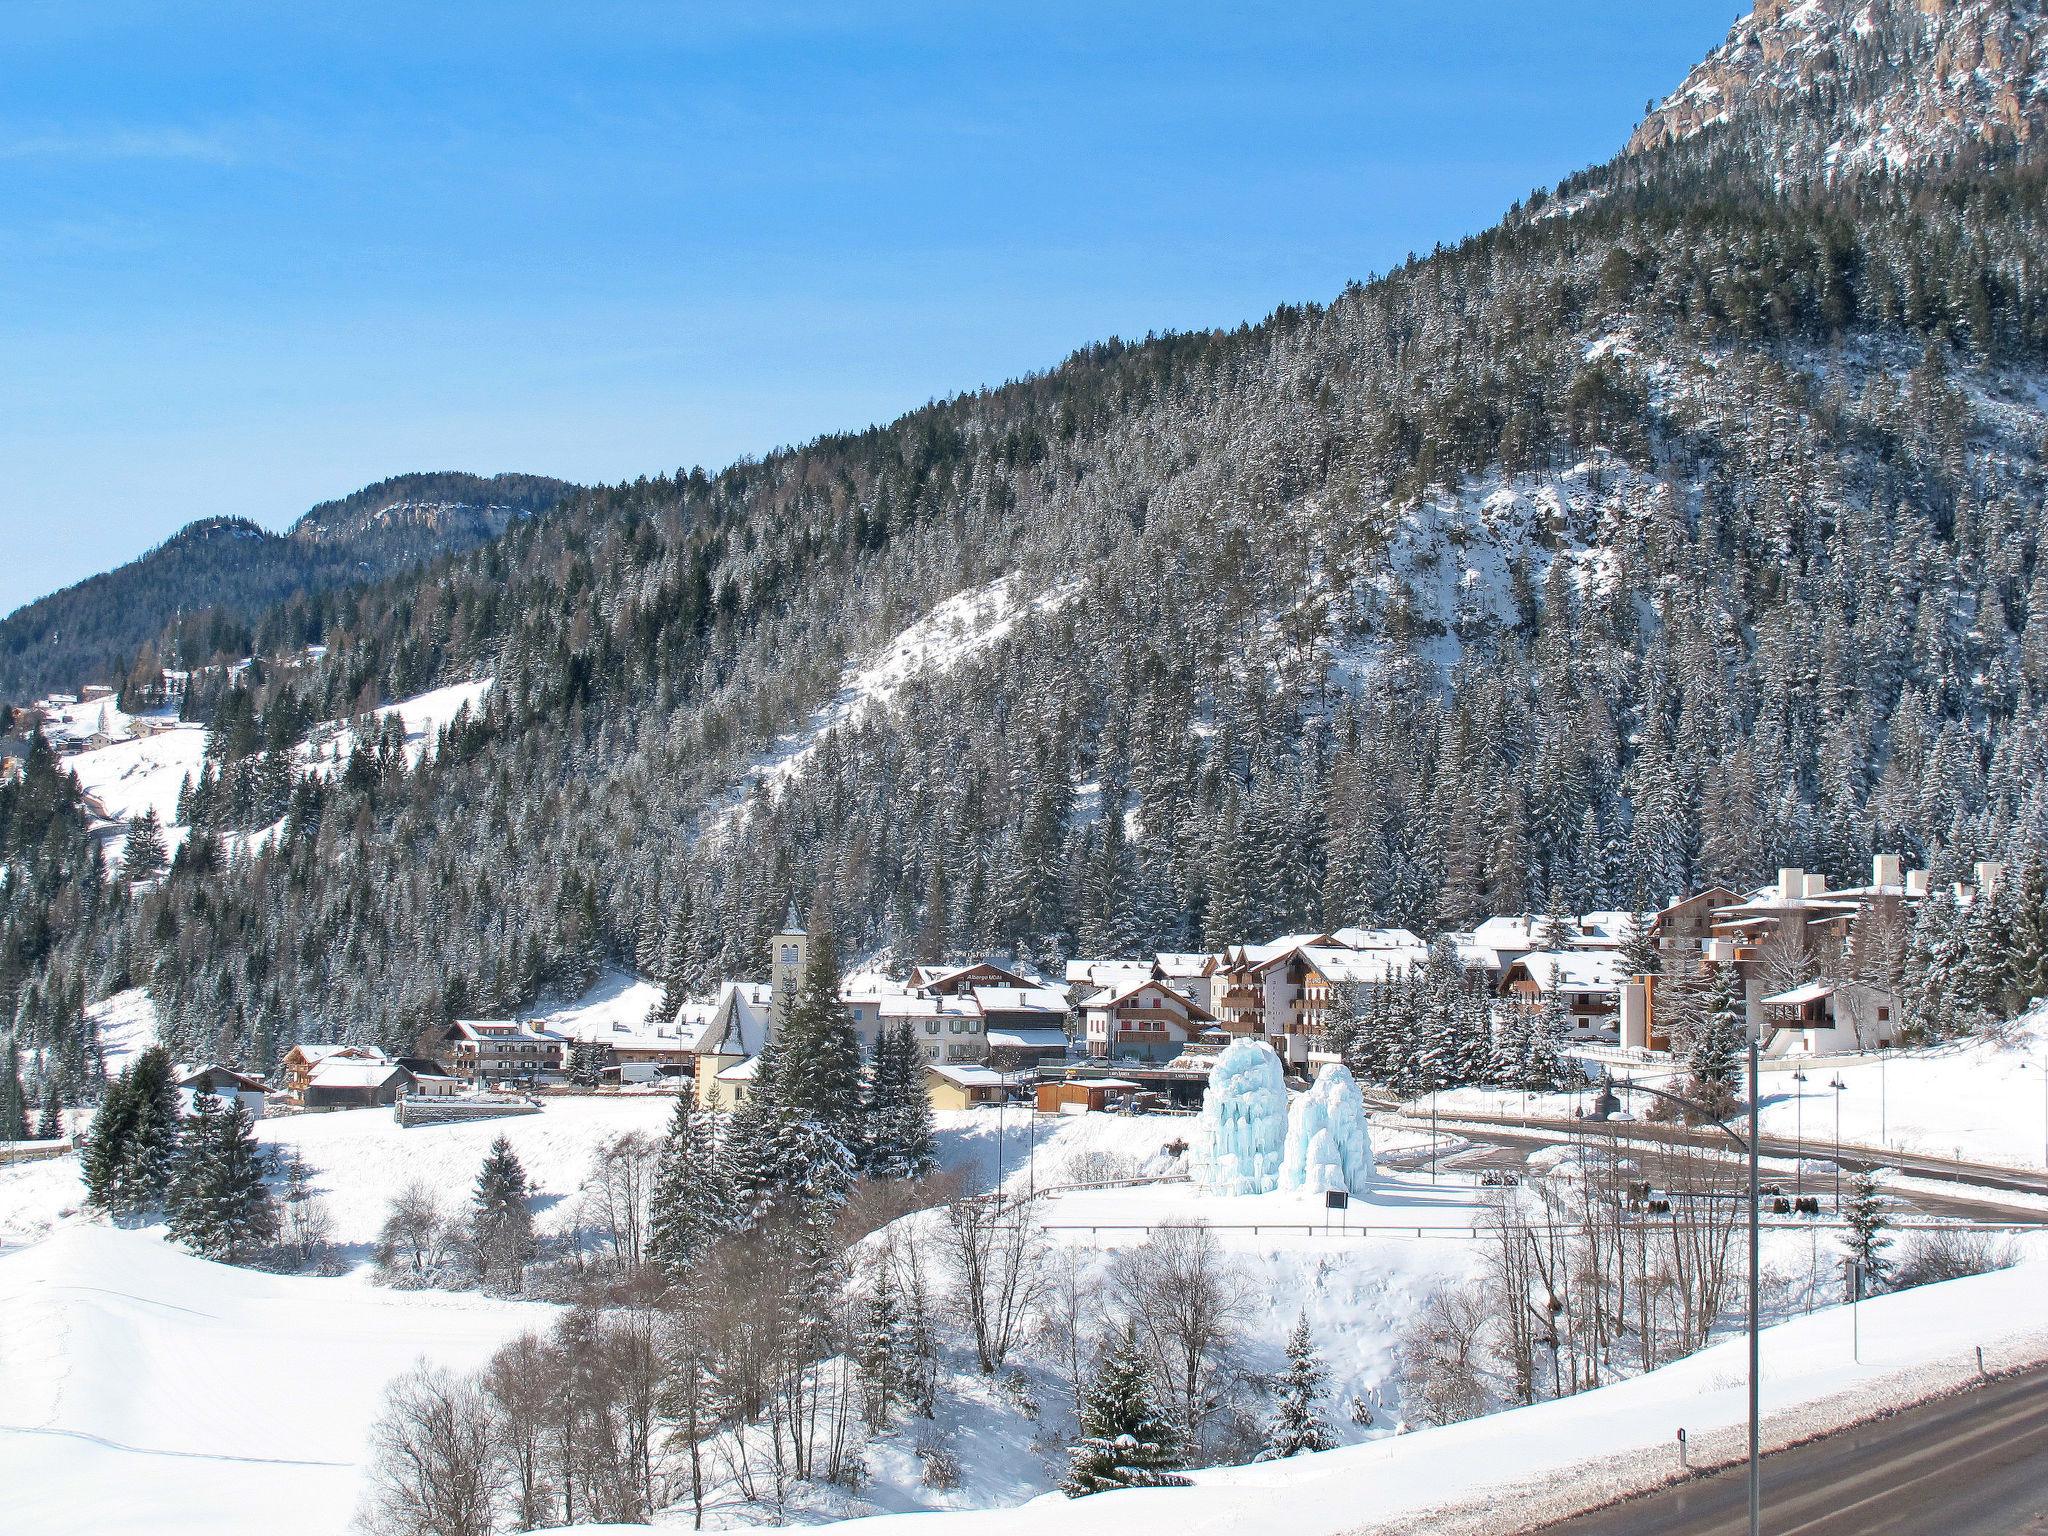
144, 1391
1547, 1460
956, 629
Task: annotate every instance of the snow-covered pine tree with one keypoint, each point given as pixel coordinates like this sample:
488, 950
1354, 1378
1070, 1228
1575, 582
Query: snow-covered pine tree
500, 1221
1714, 1061
1868, 1239
1125, 1440
899, 1137
50, 1125
132, 1145
106, 1143
877, 1348
218, 1205
145, 854
692, 1201
820, 1078
919, 1360
13, 1102
1297, 1423
1638, 955
747, 1150
1545, 1069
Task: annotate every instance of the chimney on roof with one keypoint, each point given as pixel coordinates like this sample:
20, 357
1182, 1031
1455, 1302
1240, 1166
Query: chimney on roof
1816, 885
1885, 869
1989, 873
1791, 883
1916, 882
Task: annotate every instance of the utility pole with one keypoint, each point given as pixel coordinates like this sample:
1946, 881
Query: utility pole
1756, 1470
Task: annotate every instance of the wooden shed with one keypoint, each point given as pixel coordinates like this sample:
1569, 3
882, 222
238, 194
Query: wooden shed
1083, 1095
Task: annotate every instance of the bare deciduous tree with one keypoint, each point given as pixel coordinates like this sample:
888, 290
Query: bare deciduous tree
618, 1196
1185, 1299
997, 1254
1441, 1351
432, 1471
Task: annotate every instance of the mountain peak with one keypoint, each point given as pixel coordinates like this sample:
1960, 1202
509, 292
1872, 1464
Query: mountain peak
1834, 88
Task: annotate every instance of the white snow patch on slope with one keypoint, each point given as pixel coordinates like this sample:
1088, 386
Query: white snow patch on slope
422, 717
150, 1392
131, 777
956, 629
126, 1026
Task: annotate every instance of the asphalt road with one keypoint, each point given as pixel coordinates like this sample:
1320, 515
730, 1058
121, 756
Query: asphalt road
1971, 1465
1980, 1176
1970, 1201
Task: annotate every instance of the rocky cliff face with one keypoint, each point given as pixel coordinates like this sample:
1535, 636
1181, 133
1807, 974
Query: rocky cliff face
1848, 87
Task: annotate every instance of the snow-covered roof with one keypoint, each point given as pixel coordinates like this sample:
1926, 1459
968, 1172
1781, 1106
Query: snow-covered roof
1021, 1000
967, 1077
1575, 970
312, 1053
198, 1076
1183, 965
741, 1071
1118, 1083
1108, 973
1365, 965
1027, 1036
1376, 938
1807, 992
354, 1072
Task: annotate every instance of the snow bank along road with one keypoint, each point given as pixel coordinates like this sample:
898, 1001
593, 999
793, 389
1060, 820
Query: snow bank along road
1971, 1465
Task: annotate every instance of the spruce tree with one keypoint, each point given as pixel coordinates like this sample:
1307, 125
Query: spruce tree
1297, 1424
50, 1125
1714, 1062
692, 1201
218, 1206
820, 1079
132, 1146
1638, 955
13, 1102
1868, 1239
500, 1223
106, 1143
877, 1350
1545, 1069
1125, 1440
145, 853
900, 1138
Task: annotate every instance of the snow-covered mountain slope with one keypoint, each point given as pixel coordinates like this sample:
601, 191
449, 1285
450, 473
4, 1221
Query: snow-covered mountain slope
144, 1391
1848, 86
962, 626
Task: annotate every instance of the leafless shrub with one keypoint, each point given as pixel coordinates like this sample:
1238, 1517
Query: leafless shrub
1950, 1253
1441, 1353
414, 1246
997, 1255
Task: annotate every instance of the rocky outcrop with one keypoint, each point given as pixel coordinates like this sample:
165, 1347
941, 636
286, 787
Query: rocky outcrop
1841, 87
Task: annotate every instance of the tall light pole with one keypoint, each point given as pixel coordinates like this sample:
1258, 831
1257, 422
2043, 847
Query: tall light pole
1799, 1133
1749, 1145
1840, 1088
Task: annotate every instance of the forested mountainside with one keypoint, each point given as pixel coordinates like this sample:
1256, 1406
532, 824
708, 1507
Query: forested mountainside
1685, 524
200, 596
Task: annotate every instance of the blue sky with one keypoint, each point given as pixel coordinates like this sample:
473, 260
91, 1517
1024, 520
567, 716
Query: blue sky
255, 256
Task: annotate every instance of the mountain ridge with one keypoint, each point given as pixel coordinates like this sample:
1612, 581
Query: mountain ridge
192, 598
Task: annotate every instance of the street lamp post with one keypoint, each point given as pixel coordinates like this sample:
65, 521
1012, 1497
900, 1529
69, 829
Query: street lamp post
1841, 1088
1799, 1133
1750, 1146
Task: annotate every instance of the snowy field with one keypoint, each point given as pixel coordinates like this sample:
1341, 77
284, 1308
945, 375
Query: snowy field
149, 1392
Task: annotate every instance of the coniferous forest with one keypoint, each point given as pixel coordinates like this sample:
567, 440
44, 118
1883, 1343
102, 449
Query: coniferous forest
1683, 525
